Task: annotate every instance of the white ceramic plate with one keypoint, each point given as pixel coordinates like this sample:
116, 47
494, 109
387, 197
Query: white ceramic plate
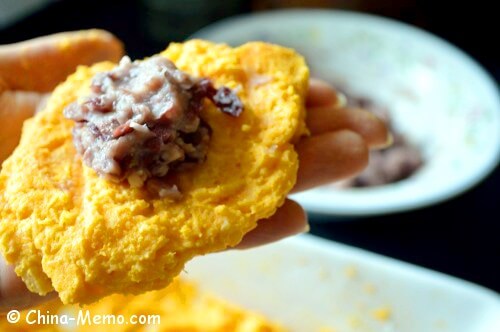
308, 283
439, 97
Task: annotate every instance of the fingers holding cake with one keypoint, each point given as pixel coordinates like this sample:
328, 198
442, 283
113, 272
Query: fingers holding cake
330, 157
327, 111
40, 64
290, 219
31, 69
340, 140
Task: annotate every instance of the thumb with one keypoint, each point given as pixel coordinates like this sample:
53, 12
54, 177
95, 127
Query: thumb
40, 64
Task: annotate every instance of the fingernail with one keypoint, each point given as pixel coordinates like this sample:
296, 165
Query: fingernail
341, 100
390, 140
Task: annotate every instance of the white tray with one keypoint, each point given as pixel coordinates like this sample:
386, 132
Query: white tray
308, 283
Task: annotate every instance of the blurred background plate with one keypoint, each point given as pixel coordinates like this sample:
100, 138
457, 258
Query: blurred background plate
440, 98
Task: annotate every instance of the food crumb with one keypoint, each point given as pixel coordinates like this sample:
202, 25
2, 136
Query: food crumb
369, 288
351, 272
272, 149
303, 261
245, 128
64, 44
355, 322
326, 329
257, 80
324, 274
441, 324
382, 314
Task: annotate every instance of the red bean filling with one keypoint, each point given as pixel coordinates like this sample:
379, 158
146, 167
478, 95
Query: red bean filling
142, 119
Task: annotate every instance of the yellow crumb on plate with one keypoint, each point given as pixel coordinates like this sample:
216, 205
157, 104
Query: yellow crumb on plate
179, 307
369, 288
351, 271
355, 322
326, 329
382, 313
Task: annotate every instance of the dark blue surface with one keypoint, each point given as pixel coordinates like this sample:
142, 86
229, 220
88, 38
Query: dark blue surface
460, 237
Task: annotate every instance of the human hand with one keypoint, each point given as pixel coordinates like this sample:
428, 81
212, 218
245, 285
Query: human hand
31, 69
28, 72
337, 148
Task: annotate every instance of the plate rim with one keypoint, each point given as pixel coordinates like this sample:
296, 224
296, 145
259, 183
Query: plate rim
319, 203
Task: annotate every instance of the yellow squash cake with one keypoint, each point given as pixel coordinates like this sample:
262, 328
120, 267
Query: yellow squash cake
67, 229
